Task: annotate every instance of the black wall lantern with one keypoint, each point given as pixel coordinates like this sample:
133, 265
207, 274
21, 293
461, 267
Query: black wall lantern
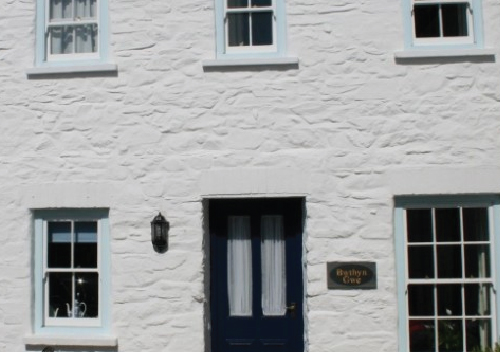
159, 233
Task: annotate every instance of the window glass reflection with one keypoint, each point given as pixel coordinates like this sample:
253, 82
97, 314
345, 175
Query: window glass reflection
85, 244
454, 20
262, 28
449, 261
59, 244
449, 299
60, 293
426, 21
447, 224
421, 262
422, 335
238, 29
421, 300
419, 225
234, 4
475, 224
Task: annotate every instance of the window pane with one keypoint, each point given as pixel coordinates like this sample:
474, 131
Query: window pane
87, 293
419, 225
61, 9
478, 334
449, 299
234, 4
477, 260
86, 38
420, 262
261, 3
61, 40
447, 224
60, 291
475, 224
421, 300
477, 299
239, 266
422, 335
59, 244
238, 29
85, 246
273, 265
85, 9
450, 335
426, 21
449, 261
454, 20
262, 28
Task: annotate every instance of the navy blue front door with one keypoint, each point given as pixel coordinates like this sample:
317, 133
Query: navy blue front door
254, 323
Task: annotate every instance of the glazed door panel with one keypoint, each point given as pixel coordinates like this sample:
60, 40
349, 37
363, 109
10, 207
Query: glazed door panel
256, 284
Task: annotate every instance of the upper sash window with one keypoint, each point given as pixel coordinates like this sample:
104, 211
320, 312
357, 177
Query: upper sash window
72, 29
71, 32
444, 24
72, 270
250, 28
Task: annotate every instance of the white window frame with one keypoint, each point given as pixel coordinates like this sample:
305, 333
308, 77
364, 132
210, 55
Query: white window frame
492, 203
469, 39
65, 22
278, 47
250, 10
82, 61
43, 323
474, 39
68, 321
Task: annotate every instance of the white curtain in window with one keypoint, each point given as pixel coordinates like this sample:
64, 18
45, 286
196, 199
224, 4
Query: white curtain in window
273, 265
60, 9
77, 38
85, 8
239, 266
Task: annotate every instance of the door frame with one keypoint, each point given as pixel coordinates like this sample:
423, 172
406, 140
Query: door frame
207, 264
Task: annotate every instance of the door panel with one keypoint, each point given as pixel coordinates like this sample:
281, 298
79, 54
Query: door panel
276, 257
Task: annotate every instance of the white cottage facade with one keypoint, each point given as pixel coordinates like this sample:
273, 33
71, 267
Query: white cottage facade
330, 174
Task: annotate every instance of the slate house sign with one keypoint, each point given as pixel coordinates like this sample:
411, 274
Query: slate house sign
351, 275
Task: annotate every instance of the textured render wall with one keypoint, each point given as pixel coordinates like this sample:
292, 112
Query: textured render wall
352, 121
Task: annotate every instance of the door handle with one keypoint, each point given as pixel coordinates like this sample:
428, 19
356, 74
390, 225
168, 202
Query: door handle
292, 308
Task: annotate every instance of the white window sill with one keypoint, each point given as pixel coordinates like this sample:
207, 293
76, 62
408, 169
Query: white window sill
71, 340
271, 61
443, 53
71, 69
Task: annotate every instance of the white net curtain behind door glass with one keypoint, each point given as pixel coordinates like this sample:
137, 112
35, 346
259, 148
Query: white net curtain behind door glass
73, 26
273, 261
239, 266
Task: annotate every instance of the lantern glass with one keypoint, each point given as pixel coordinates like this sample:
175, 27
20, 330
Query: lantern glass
159, 233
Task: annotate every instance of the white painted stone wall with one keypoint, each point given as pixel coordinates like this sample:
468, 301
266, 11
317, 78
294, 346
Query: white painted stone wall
348, 129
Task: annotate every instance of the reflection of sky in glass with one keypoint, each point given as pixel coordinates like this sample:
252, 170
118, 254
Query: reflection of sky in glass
86, 232
60, 232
